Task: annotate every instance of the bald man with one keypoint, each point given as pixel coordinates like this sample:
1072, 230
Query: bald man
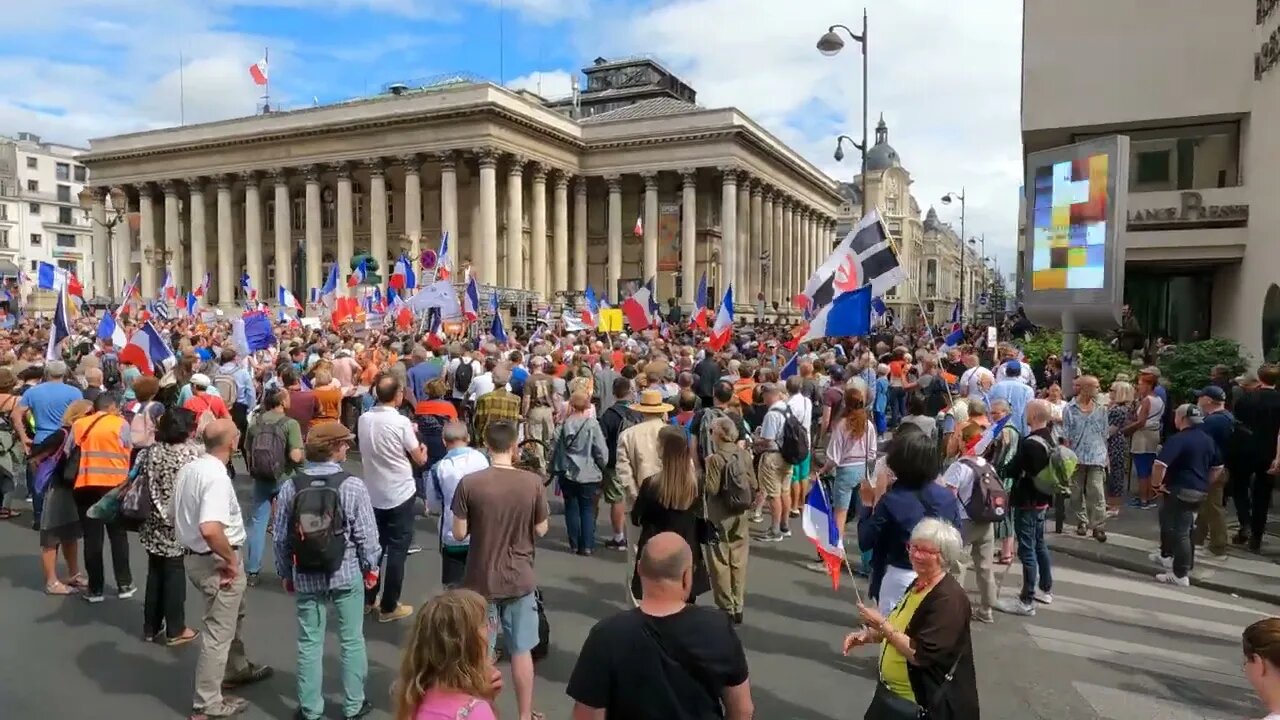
207, 522
671, 654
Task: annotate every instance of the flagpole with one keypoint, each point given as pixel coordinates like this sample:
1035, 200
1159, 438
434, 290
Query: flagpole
182, 92
266, 93
919, 304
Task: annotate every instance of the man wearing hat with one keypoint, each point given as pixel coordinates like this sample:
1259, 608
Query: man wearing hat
638, 453
326, 449
202, 401
1219, 424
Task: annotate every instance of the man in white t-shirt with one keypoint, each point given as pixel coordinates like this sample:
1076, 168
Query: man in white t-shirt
802, 408
460, 358
979, 537
207, 522
389, 448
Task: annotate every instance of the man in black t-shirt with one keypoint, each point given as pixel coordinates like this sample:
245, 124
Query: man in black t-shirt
1258, 410
664, 660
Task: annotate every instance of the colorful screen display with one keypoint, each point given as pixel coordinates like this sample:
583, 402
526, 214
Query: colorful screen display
1069, 225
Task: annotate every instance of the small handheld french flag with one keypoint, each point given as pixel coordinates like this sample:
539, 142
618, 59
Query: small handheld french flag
820, 527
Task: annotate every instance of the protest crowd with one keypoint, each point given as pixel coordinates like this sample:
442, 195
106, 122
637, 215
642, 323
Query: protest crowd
911, 458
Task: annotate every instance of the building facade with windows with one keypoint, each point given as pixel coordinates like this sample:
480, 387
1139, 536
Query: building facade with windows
1196, 89
628, 180
929, 249
40, 215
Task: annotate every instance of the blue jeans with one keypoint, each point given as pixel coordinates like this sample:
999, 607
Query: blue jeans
395, 535
580, 513
897, 405
312, 615
1033, 553
256, 528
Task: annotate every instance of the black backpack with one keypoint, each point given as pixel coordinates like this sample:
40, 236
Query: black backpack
111, 372
988, 502
793, 443
317, 525
269, 450
462, 376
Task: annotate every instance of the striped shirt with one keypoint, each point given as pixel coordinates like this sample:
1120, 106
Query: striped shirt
362, 534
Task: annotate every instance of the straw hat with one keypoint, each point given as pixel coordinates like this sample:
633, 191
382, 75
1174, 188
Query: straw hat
651, 402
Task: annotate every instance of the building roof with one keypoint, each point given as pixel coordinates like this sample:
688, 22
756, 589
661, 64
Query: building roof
655, 107
931, 221
850, 191
882, 156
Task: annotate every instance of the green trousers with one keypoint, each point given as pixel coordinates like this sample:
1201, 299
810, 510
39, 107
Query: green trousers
313, 613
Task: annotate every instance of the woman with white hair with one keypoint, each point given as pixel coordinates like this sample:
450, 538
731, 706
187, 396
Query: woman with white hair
926, 654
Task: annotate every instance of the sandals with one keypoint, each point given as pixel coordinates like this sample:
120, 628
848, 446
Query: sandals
57, 587
78, 581
187, 636
1004, 560
9, 514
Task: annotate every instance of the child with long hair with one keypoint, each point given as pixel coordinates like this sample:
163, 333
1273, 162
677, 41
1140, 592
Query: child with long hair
446, 672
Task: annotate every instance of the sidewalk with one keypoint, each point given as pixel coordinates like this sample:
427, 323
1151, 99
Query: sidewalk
1135, 534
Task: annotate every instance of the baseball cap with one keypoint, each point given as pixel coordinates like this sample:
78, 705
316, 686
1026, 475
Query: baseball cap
1213, 392
1193, 414
1013, 368
201, 380
326, 432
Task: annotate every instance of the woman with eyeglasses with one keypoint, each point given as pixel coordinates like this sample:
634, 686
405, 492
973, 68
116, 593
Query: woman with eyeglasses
1261, 642
926, 664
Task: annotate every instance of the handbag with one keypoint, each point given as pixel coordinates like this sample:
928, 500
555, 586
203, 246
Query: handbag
136, 503
889, 705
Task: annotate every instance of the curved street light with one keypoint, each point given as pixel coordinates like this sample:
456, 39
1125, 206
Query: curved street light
830, 44
947, 200
839, 153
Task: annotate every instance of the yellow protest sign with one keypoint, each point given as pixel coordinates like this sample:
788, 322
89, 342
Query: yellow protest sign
611, 320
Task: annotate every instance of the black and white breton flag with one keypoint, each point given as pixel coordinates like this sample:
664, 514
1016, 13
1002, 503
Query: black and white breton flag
864, 257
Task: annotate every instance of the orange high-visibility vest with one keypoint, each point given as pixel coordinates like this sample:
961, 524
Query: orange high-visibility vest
104, 460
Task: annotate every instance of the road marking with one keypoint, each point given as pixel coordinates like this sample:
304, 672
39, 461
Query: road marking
1116, 704
1175, 663
1110, 611
1147, 588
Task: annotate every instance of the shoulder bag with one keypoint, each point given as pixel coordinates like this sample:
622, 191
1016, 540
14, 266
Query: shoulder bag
888, 705
680, 656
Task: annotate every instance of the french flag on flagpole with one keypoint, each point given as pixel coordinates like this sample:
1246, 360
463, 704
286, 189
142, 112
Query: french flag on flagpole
819, 525
168, 291
193, 303
955, 313
329, 292
443, 271
638, 309
723, 329
402, 277
954, 338
591, 310
699, 317
791, 368
357, 276
109, 330
148, 351
471, 301
286, 299
203, 288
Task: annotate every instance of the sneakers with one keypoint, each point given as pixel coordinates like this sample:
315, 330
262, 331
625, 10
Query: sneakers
785, 531
400, 612
616, 544
251, 579
414, 549
983, 616
227, 708
1042, 597
773, 536
1170, 579
1240, 538
757, 517
365, 709
1082, 530
1100, 535
93, 599
816, 566
1165, 562
124, 592
1015, 606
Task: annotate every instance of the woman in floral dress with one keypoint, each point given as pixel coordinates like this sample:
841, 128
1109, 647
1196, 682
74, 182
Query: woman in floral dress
1119, 414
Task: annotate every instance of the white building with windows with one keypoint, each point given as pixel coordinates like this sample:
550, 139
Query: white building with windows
40, 214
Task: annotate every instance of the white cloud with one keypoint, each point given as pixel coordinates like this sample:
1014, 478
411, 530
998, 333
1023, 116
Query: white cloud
549, 84
945, 75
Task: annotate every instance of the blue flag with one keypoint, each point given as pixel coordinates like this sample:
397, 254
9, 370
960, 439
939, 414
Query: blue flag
257, 332
497, 330
60, 330
849, 315
791, 368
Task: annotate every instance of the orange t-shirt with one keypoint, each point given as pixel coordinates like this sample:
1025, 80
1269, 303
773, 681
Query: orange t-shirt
745, 389
898, 372
436, 407
328, 403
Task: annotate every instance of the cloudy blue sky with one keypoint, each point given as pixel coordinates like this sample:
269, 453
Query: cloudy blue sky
945, 75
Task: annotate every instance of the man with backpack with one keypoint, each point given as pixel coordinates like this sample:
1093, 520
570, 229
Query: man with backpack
1030, 501
616, 418
326, 548
273, 451
983, 502
781, 443
730, 490
234, 384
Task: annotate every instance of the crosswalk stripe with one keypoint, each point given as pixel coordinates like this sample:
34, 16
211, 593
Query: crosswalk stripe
1175, 663
1116, 704
1110, 611
1145, 588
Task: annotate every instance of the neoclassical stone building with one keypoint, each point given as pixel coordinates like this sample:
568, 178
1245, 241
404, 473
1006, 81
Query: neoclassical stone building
631, 181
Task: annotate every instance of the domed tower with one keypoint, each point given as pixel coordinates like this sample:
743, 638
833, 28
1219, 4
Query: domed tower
882, 156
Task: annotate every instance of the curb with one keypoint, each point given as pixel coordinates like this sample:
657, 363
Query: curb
1146, 568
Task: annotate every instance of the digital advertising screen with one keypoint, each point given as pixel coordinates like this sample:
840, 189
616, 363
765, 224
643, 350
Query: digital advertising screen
1073, 248
1069, 225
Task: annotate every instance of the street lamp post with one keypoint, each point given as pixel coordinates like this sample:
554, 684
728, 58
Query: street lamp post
117, 205
982, 242
946, 200
831, 44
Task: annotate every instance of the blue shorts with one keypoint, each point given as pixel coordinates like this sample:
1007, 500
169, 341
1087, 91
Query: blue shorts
518, 618
845, 486
1144, 464
800, 471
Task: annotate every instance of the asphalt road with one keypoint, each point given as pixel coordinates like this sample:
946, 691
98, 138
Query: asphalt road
1113, 645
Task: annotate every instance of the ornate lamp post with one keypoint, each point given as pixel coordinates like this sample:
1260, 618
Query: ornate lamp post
117, 209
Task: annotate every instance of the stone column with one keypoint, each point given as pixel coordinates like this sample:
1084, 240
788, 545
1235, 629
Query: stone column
560, 234
756, 246
487, 249
284, 239
252, 229
775, 270
227, 244
806, 246
515, 223
742, 247
449, 206
797, 240
346, 223
315, 268
173, 236
377, 219
689, 238
651, 228
787, 257
580, 234
538, 232
101, 274
612, 282
147, 238
199, 240
412, 206
728, 232
766, 246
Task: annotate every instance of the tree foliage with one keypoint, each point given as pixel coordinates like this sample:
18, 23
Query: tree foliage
1096, 357
1187, 366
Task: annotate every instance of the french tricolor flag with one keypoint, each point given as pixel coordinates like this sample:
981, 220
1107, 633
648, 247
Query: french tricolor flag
723, 329
819, 525
357, 276
699, 318
168, 291
286, 299
471, 301
147, 351
591, 310
443, 270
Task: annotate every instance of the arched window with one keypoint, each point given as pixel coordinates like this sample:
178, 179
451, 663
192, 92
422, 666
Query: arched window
931, 278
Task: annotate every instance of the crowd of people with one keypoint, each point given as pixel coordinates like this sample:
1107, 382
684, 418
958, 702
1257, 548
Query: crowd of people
945, 460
